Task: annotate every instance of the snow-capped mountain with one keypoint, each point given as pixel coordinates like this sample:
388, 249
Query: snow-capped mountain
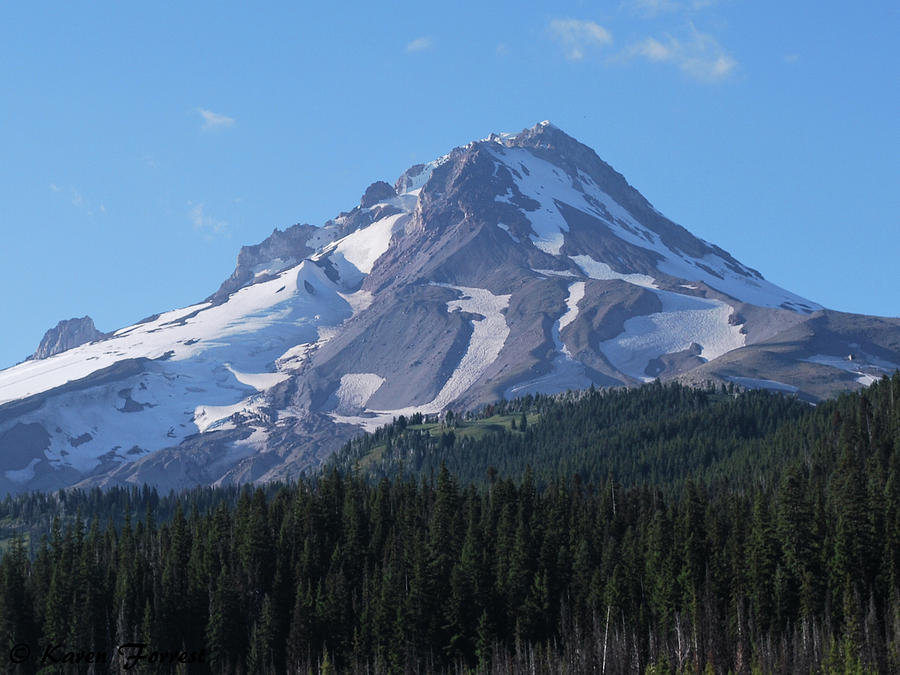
515, 264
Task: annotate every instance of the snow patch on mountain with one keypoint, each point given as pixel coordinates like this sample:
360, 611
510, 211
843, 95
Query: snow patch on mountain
488, 337
259, 381
867, 368
413, 183
356, 389
603, 272
209, 416
682, 322
363, 247
505, 228
576, 294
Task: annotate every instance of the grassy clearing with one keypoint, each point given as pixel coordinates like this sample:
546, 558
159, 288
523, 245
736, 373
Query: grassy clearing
476, 428
473, 429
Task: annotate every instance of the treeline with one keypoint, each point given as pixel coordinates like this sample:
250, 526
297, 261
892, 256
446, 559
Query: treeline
31, 515
795, 570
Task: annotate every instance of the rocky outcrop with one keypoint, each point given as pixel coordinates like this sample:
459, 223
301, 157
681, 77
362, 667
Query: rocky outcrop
279, 251
378, 191
67, 334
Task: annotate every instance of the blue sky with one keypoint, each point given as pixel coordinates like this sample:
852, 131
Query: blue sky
142, 145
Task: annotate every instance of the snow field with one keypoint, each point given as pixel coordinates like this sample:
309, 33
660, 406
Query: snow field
682, 321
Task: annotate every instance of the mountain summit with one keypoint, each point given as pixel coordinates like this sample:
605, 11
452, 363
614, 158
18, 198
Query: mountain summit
516, 264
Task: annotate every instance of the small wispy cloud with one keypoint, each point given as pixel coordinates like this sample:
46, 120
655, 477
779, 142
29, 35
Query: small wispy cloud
578, 37
212, 120
205, 223
78, 200
791, 58
420, 44
653, 8
700, 56
502, 49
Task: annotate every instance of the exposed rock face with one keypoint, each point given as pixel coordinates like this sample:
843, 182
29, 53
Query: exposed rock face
378, 191
67, 334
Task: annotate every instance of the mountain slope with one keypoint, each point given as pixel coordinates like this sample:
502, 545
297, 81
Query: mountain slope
515, 264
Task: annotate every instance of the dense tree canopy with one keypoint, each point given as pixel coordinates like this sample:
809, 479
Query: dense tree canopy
658, 529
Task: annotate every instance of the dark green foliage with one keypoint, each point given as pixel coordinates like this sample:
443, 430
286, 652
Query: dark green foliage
656, 435
791, 567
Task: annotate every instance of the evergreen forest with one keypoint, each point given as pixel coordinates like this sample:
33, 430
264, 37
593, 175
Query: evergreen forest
660, 529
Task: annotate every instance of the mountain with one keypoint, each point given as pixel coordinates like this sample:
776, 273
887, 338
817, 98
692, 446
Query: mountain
514, 264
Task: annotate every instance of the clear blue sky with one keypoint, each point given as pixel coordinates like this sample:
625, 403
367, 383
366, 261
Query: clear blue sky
143, 143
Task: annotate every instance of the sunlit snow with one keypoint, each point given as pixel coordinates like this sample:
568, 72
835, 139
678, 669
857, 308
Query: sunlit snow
683, 321
356, 389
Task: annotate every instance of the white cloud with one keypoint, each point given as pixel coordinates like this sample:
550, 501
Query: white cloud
203, 222
420, 44
213, 120
502, 49
577, 37
653, 50
700, 56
